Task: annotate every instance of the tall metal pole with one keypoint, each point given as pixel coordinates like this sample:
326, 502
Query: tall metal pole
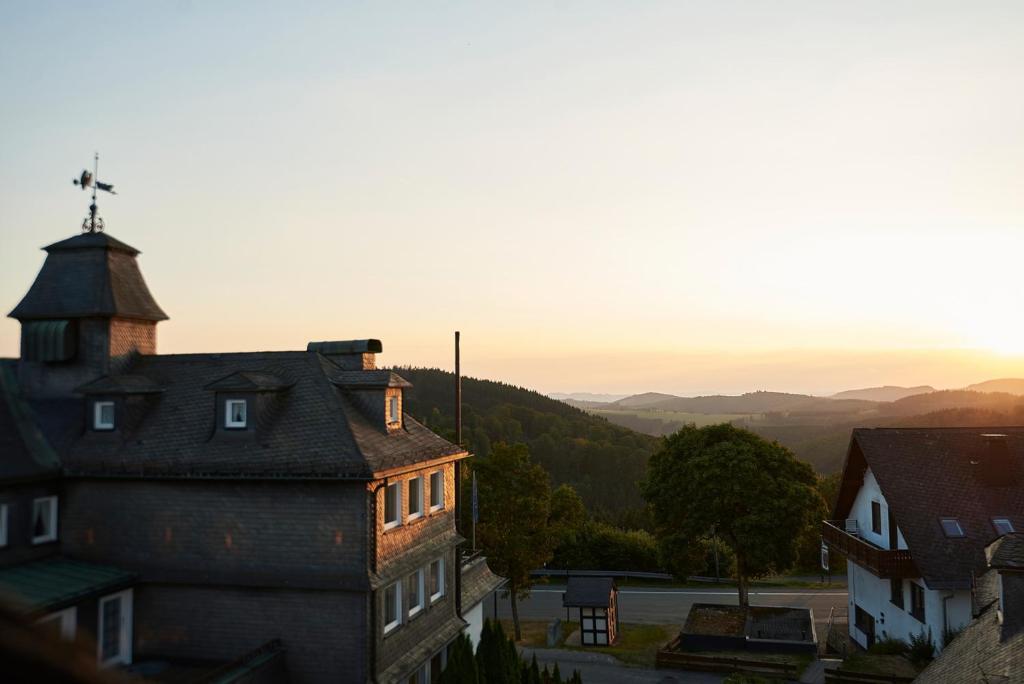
458, 393
458, 479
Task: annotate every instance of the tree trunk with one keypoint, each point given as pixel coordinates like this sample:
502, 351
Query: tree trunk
741, 583
515, 611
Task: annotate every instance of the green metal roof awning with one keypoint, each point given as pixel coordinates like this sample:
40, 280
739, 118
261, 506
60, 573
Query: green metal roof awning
55, 583
48, 340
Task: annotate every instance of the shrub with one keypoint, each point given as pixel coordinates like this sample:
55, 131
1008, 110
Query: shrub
889, 646
740, 678
922, 648
599, 546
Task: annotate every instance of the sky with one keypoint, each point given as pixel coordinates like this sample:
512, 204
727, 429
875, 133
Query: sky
686, 197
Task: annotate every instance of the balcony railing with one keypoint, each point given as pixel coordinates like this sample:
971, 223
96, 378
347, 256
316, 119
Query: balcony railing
884, 563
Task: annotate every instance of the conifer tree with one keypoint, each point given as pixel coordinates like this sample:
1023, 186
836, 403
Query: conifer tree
461, 668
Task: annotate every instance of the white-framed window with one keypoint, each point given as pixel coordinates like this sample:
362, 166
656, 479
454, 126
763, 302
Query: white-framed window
114, 632
394, 417
417, 600
437, 490
62, 623
951, 527
1002, 526
392, 607
415, 498
103, 415
3, 525
44, 520
393, 505
437, 579
235, 413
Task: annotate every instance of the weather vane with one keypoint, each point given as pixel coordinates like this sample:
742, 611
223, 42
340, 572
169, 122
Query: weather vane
93, 223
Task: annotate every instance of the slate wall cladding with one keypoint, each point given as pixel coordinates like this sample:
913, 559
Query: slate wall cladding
414, 630
19, 548
393, 543
128, 337
278, 533
44, 380
324, 632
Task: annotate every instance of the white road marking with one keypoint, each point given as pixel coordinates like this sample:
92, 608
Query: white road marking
670, 592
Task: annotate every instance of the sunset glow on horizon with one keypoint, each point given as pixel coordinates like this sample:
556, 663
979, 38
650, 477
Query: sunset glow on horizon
794, 196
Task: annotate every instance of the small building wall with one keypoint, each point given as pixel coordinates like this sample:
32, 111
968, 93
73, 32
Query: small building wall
475, 617
872, 594
19, 498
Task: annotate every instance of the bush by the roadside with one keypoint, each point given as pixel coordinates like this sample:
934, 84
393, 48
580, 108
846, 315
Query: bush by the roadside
889, 646
599, 546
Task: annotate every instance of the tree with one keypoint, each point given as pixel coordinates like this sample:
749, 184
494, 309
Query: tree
497, 659
461, 667
516, 530
754, 493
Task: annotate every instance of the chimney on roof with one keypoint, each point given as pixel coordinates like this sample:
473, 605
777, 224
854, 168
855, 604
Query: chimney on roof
349, 354
1006, 556
993, 464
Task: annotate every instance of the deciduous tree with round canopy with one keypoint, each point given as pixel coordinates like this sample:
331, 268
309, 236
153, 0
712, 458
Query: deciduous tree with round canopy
755, 494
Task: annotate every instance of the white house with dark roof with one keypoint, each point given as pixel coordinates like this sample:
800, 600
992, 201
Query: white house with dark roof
915, 511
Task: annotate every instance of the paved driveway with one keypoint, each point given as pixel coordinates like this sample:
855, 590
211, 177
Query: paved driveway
598, 668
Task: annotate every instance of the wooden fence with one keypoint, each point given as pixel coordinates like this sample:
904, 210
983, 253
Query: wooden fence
672, 658
840, 676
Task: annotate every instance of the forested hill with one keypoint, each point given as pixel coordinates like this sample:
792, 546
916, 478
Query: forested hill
602, 461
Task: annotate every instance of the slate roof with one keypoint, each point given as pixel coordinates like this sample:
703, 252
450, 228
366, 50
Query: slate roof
354, 379
929, 473
991, 648
121, 384
478, 582
25, 453
588, 592
92, 274
55, 583
310, 429
1007, 552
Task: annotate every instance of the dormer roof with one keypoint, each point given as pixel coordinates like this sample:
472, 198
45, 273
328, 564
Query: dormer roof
375, 379
250, 381
89, 275
121, 384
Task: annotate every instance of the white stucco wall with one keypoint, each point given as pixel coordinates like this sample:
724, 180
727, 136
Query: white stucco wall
475, 617
861, 511
872, 595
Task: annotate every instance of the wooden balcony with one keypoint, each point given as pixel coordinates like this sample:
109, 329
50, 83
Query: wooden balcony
884, 563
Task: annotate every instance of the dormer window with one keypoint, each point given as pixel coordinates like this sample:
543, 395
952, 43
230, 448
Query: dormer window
103, 415
394, 416
1002, 526
951, 527
235, 413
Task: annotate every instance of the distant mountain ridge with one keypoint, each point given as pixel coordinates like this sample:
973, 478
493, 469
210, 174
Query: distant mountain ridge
751, 402
588, 397
884, 393
1007, 385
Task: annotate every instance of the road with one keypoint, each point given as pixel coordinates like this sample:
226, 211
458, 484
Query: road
657, 605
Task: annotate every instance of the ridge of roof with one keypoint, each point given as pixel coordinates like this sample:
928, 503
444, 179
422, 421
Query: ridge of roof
92, 241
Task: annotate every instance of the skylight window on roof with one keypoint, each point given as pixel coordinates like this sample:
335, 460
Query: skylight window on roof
951, 527
1003, 526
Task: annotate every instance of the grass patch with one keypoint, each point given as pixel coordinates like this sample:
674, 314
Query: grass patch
535, 632
637, 645
872, 663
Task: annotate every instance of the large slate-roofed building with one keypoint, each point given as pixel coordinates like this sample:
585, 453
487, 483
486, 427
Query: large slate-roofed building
207, 505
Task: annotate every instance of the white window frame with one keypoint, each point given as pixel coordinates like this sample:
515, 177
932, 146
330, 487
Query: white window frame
415, 484
419, 579
397, 622
3, 525
394, 415
389, 524
50, 535
1004, 522
97, 415
439, 489
440, 578
68, 620
124, 656
229, 422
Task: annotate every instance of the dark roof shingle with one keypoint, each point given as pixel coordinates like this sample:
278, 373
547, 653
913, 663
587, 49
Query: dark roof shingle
588, 592
930, 473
